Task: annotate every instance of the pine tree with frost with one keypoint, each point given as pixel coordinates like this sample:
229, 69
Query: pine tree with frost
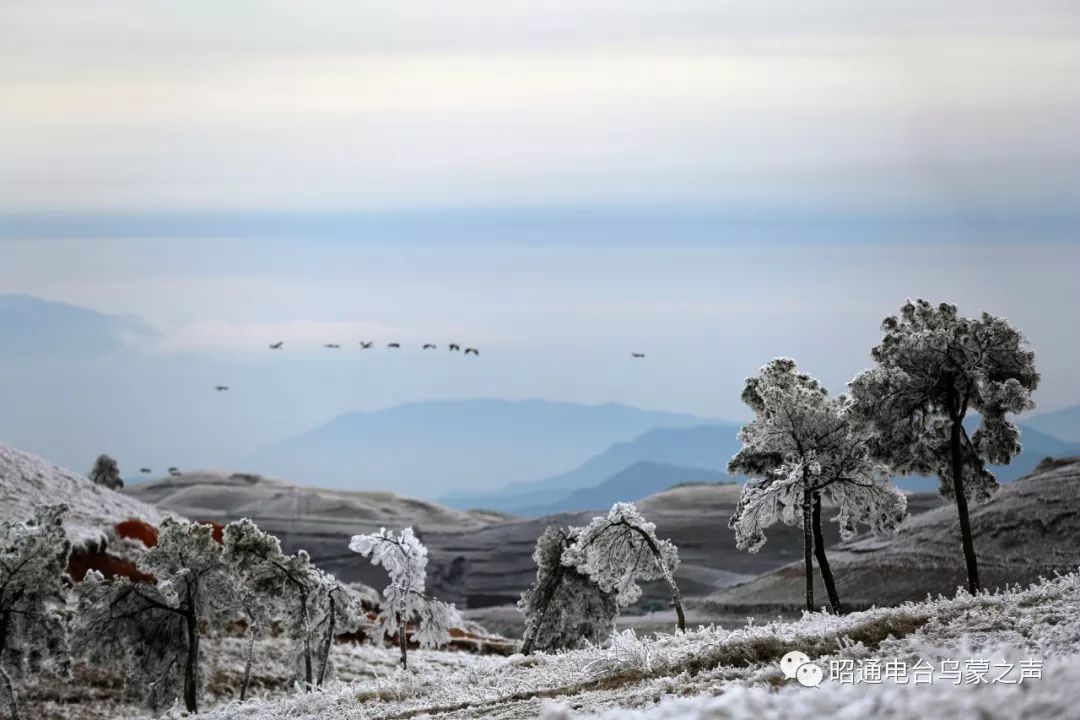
803, 448
33, 564
619, 550
563, 608
934, 366
107, 473
155, 629
339, 609
405, 560
274, 587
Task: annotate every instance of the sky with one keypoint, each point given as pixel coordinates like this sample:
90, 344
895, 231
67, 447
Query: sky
563, 183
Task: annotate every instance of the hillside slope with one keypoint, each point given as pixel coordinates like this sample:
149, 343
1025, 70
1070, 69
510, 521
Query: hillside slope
1027, 530
27, 482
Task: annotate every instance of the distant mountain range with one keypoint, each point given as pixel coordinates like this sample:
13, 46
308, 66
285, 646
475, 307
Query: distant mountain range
431, 449
659, 456
1063, 424
34, 327
702, 448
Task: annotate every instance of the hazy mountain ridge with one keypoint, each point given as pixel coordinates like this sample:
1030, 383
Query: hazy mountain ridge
429, 448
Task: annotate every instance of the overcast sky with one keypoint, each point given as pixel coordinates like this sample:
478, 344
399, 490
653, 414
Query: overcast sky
563, 182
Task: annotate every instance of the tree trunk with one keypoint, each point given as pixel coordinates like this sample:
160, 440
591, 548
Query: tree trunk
254, 631
529, 639
808, 546
307, 640
403, 643
822, 560
676, 597
191, 665
10, 688
327, 643
962, 506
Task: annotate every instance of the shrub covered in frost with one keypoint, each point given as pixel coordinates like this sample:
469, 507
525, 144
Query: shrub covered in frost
404, 600
33, 560
620, 549
563, 608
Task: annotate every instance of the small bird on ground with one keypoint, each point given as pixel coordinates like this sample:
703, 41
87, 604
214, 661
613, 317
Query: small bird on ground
366, 344
638, 355
221, 388
454, 347
277, 345
429, 346
393, 345
145, 471
472, 351
332, 346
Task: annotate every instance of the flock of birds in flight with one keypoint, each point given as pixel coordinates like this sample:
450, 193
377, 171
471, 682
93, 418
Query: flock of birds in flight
364, 345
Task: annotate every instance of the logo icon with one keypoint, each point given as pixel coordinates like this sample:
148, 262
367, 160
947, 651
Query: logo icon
796, 665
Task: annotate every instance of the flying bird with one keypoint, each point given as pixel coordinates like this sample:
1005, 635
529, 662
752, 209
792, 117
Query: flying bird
638, 355
454, 347
429, 346
174, 472
221, 388
332, 346
472, 351
393, 345
277, 345
366, 344
145, 471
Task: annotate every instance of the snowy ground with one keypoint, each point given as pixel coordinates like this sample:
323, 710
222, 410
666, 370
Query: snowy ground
708, 673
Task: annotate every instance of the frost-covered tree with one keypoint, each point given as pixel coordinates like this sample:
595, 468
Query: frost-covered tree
33, 562
273, 586
934, 366
338, 609
563, 608
154, 629
620, 549
405, 560
801, 448
106, 472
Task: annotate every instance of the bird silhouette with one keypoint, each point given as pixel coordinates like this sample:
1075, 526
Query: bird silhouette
454, 347
332, 346
429, 346
472, 351
277, 345
174, 472
145, 471
393, 345
638, 355
221, 388
366, 344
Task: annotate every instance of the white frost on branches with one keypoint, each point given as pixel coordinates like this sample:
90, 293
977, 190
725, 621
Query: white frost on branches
405, 560
620, 550
801, 441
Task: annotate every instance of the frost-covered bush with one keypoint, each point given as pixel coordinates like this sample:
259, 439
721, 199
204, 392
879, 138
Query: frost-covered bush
404, 601
620, 549
933, 367
154, 629
338, 609
274, 586
563, 608
33, 560
803, 448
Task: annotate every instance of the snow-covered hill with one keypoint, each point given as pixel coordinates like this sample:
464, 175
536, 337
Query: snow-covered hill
27, 482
